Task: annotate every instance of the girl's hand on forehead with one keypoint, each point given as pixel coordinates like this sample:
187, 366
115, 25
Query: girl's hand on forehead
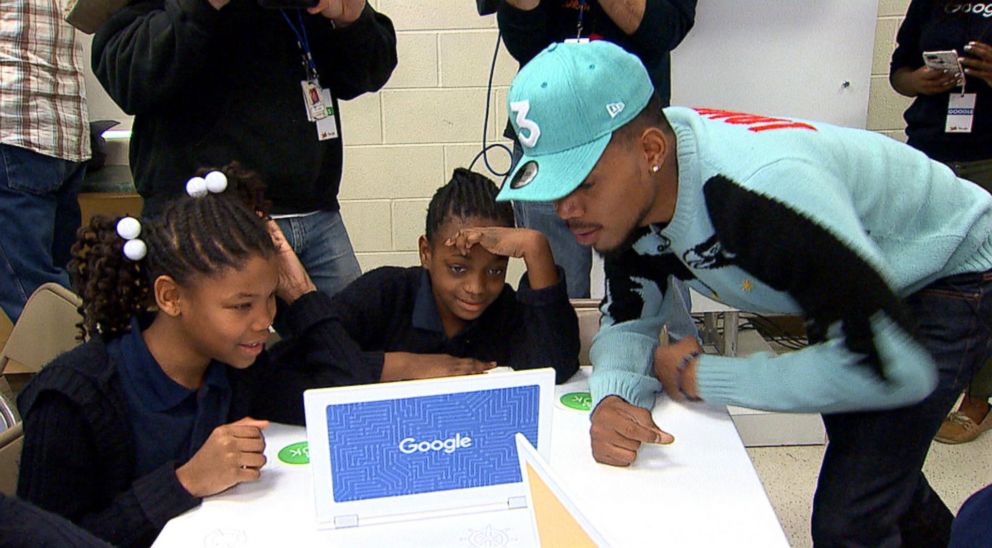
293, 278
498, 240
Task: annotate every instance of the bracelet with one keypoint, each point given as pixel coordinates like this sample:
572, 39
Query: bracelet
683, 364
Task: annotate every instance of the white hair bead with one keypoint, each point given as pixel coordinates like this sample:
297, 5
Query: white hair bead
128, 228
216, 182
135, 249
196, 187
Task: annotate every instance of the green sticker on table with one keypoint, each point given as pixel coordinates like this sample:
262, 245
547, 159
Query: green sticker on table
296, 453
580, 401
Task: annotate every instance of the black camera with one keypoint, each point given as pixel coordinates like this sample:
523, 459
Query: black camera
487, 7
287, 4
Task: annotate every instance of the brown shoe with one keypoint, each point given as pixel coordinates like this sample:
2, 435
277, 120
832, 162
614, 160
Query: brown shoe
959, 428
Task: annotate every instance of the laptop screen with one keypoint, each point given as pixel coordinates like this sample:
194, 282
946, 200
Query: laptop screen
383, 452
430, 443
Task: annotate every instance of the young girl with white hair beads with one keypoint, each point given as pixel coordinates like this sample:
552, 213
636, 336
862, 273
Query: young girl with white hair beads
155, 411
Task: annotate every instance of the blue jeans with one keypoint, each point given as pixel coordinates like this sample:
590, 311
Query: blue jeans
871, 490
39, 208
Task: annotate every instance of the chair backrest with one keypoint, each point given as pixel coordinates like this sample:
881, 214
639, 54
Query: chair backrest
11, 441
45, 329
588, 312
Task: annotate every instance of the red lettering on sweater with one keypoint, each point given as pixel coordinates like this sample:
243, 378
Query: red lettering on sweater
757, 123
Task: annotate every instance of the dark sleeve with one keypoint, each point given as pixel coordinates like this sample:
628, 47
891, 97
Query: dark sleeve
908, 53
665, 24
545, 329
323, 353
23, 525
525, 33
61, 472
150, 51
356, 59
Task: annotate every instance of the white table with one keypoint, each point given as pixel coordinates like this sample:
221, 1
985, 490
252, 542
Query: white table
700, 491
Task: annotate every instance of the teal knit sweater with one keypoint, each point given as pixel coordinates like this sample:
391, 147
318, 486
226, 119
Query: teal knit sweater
793, 217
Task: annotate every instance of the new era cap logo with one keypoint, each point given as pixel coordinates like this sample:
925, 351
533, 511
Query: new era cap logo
614, 108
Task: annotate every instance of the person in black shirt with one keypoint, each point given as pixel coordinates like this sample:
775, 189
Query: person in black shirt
454, 314
933, 25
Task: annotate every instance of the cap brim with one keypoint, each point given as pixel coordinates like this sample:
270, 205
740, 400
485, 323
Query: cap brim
556, 176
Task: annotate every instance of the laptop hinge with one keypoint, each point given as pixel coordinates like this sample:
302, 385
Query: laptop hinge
350, 520
516, 502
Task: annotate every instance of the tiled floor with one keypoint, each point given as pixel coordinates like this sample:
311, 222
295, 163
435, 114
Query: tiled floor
789, 475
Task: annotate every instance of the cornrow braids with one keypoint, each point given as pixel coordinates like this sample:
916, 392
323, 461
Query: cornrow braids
467, 194
191, 237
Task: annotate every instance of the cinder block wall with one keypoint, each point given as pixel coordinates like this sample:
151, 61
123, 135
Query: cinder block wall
885, 106
403, 142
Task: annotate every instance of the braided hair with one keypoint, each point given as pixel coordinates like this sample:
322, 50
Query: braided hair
467, 194
192, 237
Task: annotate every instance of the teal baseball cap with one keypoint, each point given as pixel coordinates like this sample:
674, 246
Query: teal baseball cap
565, 105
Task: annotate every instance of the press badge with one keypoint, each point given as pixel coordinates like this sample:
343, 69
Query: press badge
313, 100
960, 112
327, 127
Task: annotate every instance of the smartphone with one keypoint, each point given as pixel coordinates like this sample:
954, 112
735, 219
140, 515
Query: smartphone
946, 60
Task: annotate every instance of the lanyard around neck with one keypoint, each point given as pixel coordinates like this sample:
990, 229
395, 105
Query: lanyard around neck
303, 43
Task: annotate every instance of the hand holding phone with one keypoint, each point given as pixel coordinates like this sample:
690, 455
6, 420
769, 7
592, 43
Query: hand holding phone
945, 61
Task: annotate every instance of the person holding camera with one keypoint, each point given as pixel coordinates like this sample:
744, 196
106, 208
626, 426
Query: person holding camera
212, 81
950, 120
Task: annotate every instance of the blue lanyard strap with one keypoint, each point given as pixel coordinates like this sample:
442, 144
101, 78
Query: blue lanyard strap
302, 42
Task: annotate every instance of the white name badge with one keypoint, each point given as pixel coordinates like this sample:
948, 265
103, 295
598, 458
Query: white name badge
327, 126
960, 113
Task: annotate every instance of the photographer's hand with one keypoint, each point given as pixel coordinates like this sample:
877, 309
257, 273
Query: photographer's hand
342, 12
218, 4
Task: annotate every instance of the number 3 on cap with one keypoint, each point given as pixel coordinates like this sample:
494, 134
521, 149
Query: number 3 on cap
533, 130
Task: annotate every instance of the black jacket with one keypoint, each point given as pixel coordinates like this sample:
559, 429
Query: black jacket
665, 24
207, 87
78, 458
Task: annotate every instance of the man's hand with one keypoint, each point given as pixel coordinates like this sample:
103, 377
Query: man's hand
524, 5
399, 366
667, 359
218, 4
342, 12
618, 430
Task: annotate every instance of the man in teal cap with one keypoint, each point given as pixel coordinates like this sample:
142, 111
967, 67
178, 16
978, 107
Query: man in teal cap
884, 252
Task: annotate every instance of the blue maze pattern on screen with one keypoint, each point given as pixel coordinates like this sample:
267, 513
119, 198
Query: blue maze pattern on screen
429, 443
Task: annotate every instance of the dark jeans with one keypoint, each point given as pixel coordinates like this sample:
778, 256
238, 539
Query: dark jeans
40, 212
871, 490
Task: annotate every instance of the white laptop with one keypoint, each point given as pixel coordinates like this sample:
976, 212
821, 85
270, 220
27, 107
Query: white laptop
404, 450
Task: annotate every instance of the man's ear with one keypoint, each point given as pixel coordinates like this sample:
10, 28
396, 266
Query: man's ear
168, 295
424, 245
654, 144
